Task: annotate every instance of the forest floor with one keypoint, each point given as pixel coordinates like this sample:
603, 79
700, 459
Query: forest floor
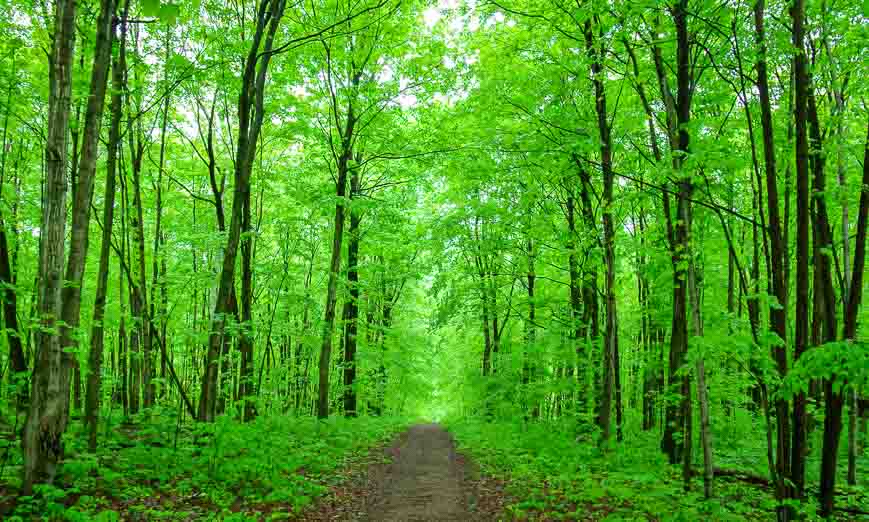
421, 478
386, 469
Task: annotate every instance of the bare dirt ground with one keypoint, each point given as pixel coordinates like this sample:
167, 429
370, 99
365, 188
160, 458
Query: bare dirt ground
424, 479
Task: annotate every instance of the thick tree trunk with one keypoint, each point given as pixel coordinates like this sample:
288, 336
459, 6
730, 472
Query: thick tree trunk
822, 233
834, 398
801, 336
678, 415
84, 188
42, 440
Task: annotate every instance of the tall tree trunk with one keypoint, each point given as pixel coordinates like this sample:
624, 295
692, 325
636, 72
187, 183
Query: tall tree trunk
702, 393
245, 389
834, 396
529, 360
777, 313
575, 293
855, 290
590, 325
84, 188
801, 335
610, 352
158, 283
42, 439
14, 335
135, 251
123, 356
95, 356
352, 304
250, 116
683, 116
678, 119
334, 266
143, 329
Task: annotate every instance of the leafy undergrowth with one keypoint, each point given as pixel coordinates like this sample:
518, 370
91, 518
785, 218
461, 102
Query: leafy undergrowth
270, 469
552, 476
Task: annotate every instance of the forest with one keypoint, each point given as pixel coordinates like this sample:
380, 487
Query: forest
434, 260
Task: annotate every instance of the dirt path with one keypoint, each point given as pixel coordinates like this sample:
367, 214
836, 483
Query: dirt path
424, 481
422, 478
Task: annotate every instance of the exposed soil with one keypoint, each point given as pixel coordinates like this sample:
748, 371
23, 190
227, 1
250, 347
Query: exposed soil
426, 480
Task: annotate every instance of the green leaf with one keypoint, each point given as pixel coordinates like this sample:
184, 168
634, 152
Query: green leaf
168, 13
151, 8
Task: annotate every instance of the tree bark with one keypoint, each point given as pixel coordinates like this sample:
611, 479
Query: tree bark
245, 342
13, 333
610, 351
158, 282
528, 363
352, 304
678, 120
95, 356
589, 324
335, 265
575, 298
42, 439
702, 393
822, 233
250, 116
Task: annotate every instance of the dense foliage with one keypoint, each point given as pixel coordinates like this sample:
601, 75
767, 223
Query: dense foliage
618, 247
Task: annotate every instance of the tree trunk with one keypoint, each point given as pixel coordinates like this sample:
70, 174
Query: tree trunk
677, 415
352, 304
834, 399
589, 325
822, 233
702, 393
334, 267
158, 282
42, 439
250, 115
610, 352
95, 356
245, 389
801, 336
332, 289
575, 295
136, 258
530, 326
14, 334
